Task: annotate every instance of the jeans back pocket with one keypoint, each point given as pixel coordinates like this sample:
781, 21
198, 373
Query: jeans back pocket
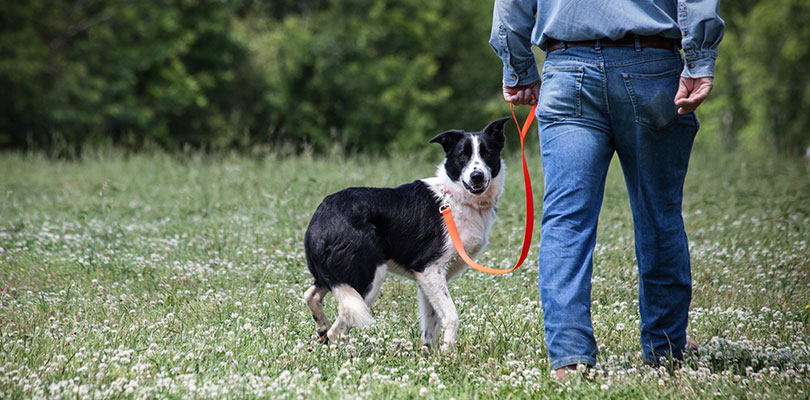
560, 92
653, 97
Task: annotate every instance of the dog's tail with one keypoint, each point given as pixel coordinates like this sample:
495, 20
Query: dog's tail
351, 306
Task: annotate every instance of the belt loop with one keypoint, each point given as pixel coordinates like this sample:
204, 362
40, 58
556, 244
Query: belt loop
598, 45
637, 40
564, 45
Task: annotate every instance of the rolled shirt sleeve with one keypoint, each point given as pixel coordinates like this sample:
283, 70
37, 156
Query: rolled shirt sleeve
512, 24
701, 30
517, 24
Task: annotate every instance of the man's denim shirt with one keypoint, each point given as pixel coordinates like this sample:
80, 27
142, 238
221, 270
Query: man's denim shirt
517, 24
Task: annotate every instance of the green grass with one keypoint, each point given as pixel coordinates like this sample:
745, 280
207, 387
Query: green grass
155, 276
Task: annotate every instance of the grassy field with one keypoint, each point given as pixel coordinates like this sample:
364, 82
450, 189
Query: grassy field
153, 276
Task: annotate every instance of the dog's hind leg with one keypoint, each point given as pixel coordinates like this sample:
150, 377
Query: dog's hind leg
352, 311
376, 285
433, 283
314, 298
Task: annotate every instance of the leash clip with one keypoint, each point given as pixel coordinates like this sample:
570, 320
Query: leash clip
445, 203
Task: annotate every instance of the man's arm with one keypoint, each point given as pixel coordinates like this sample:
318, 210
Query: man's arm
701, 30
512, 24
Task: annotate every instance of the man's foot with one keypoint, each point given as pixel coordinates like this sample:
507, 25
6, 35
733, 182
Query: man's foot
691, 345
562, 373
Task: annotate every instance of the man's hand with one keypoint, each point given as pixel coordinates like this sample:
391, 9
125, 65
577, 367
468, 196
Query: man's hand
522, 94
691, 92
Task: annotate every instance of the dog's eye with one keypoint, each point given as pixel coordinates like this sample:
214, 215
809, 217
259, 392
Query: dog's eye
487, 156
464, 157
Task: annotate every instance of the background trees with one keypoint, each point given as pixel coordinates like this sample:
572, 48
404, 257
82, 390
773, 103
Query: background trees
763, 88
359, 74
126, 72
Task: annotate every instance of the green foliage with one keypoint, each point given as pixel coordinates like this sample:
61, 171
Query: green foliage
368, 74
122, 72
351, 73
762, 88
363, 75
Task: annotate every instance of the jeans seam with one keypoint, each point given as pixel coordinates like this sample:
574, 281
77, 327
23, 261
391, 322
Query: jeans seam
651, 76
613, 64
549, 122
605, 94
646, 60
572, 360
577, 59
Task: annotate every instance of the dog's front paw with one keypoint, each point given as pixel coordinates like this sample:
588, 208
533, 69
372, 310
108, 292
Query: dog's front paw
322, 335
333, 336
429, 342
448, 347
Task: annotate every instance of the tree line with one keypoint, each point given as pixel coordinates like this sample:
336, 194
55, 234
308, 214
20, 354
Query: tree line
362, 75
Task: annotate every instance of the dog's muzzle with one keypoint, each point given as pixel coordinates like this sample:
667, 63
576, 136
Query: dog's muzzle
478, 183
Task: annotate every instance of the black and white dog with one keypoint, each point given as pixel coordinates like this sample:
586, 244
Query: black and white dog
358, 234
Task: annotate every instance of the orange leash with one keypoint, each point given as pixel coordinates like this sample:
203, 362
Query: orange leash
527, 186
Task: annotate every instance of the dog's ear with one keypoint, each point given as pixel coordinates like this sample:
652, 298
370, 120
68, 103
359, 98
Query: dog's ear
495, 131
448, 139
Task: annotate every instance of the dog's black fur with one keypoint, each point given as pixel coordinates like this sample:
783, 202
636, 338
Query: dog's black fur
357, 229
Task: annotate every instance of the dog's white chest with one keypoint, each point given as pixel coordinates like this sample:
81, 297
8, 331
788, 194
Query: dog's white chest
473, 227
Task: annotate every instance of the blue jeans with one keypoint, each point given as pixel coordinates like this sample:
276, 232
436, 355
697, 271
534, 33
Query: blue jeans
595, 101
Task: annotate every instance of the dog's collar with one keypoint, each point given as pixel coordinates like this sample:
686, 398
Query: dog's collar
447, 194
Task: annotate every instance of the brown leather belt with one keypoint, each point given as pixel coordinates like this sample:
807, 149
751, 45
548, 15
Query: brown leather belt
655, 42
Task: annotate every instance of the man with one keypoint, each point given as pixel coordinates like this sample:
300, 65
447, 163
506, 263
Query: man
613, 81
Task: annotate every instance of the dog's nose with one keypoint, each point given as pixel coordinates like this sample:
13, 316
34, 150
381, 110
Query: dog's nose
477, 178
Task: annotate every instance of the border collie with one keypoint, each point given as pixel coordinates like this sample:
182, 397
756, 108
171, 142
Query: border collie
358, 234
